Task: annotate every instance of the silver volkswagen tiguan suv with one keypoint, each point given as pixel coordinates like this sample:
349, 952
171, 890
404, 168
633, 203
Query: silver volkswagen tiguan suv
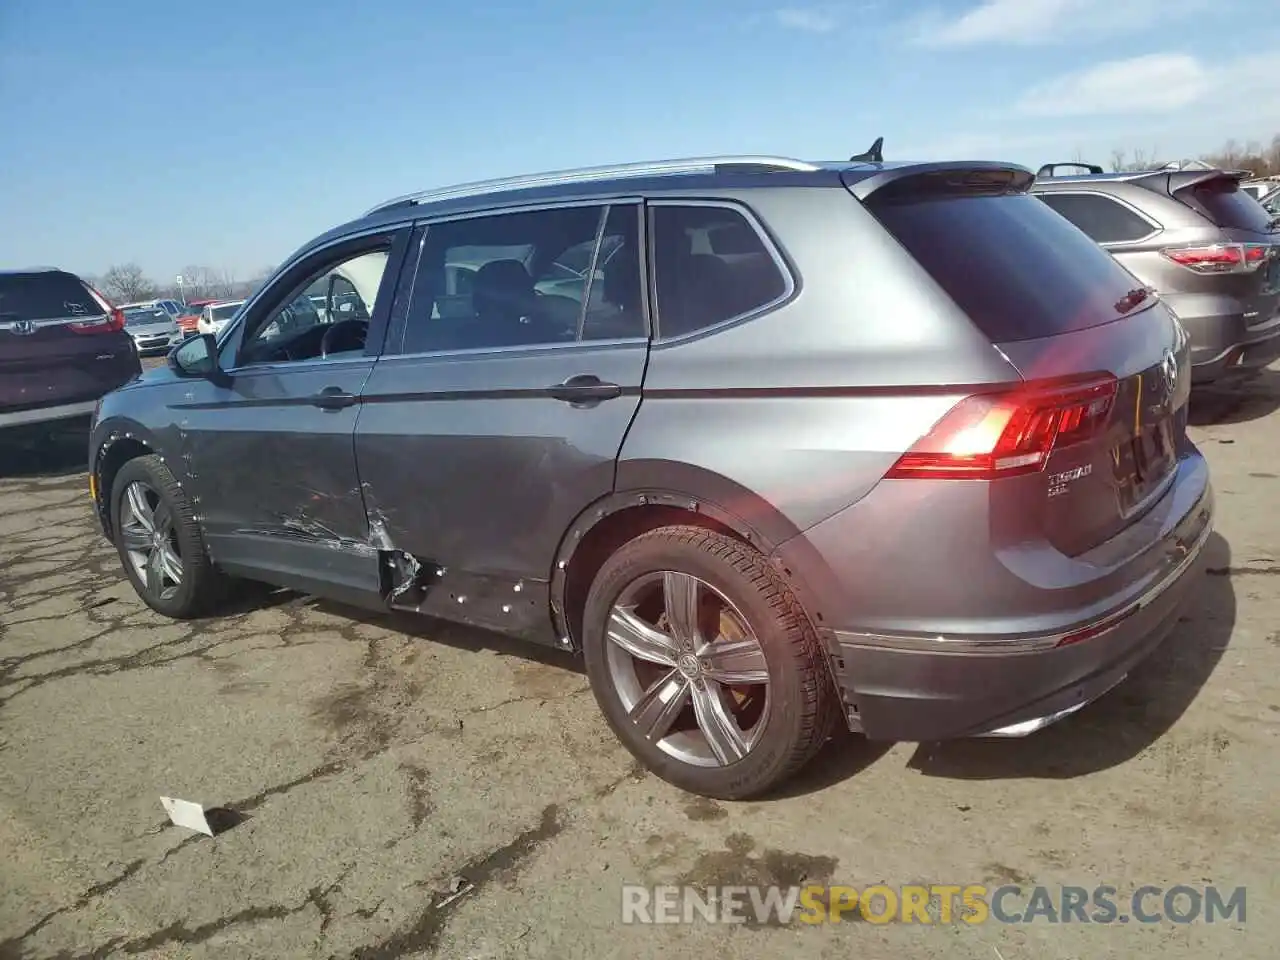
774, 445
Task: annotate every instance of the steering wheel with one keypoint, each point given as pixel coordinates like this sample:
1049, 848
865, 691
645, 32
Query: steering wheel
344, 335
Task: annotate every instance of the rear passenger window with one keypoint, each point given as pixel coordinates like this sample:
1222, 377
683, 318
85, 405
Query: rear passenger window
522, 279
710, 265
614, 310
1102, 218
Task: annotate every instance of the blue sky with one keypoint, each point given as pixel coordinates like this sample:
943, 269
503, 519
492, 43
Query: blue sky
225, 134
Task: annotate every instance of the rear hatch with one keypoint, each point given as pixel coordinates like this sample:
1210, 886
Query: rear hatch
1088, 441
60, 342
1245, 263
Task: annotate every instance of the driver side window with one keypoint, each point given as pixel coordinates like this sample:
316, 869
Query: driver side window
325, 316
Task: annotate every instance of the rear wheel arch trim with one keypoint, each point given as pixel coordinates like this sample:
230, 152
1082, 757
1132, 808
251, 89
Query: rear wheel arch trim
689, 504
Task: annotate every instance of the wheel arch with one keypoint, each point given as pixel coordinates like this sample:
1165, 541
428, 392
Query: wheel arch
115, 444
710, 501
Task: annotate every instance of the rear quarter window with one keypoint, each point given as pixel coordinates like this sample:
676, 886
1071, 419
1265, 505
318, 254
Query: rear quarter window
1103, 219
1018, 269
45, 296
710, 265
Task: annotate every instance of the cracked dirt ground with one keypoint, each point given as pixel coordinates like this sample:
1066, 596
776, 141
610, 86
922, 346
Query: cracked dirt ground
373, 764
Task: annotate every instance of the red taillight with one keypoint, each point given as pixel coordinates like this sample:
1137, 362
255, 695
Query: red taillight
113, 321
1220, 257
989, 436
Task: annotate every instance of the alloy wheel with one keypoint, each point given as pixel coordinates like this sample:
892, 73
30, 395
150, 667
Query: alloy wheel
150, 541
688, 668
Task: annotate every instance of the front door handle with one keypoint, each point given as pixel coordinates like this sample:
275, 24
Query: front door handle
585, 388
333, 398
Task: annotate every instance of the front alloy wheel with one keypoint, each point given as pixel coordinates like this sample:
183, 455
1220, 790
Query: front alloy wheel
150, 541
160, 543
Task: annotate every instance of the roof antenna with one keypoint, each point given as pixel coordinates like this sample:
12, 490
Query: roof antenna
874, 155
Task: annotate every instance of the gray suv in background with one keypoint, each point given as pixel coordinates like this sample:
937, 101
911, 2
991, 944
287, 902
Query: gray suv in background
774, 445
62, 346
1204, 244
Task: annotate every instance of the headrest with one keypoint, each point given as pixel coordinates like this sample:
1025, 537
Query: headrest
502, 287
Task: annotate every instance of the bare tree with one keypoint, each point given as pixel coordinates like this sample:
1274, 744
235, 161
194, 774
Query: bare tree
125, 282
1117, 159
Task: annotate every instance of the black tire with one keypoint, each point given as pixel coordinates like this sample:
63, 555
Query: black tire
202, 586
803, 706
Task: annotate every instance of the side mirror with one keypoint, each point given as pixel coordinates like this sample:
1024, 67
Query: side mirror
197, 357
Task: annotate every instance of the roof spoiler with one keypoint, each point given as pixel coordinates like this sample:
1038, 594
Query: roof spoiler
1050, 169
1175, 180
955, 177
874, 155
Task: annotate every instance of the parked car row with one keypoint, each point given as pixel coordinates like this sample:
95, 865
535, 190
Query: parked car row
775, 445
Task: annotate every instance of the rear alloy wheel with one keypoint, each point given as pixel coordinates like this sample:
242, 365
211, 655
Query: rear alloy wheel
704, 664
160, 544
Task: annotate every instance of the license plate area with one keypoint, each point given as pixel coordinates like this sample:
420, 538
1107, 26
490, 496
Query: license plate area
1142, 461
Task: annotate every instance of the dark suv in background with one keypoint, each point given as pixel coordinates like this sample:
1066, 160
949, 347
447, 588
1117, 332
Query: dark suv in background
62, 346
1204, 244
774, 444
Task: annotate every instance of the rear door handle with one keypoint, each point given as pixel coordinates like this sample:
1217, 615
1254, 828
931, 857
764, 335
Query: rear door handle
333, 398
585, 388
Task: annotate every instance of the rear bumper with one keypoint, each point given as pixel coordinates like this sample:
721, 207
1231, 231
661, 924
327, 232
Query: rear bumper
37, 415
1228, 346
1237, 361
920, 689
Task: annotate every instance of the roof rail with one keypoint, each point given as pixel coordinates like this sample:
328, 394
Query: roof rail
652, 168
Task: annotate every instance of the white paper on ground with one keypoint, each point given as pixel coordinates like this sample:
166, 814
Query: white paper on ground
184, 813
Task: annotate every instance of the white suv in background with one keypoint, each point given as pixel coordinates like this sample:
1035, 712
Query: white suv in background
215, 316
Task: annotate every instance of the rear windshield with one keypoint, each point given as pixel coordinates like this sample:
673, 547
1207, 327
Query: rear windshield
224, 313
1223, 202
135, 318
45, 296
1017, 268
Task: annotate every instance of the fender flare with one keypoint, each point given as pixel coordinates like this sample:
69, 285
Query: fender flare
106, 434
780, 530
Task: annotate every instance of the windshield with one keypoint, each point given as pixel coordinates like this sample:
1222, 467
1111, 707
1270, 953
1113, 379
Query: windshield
135, 318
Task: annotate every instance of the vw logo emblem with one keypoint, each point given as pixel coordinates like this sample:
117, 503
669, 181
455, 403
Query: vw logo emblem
1169, 368
23, 328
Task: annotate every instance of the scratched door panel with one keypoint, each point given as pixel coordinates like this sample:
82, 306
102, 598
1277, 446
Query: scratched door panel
279, 495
